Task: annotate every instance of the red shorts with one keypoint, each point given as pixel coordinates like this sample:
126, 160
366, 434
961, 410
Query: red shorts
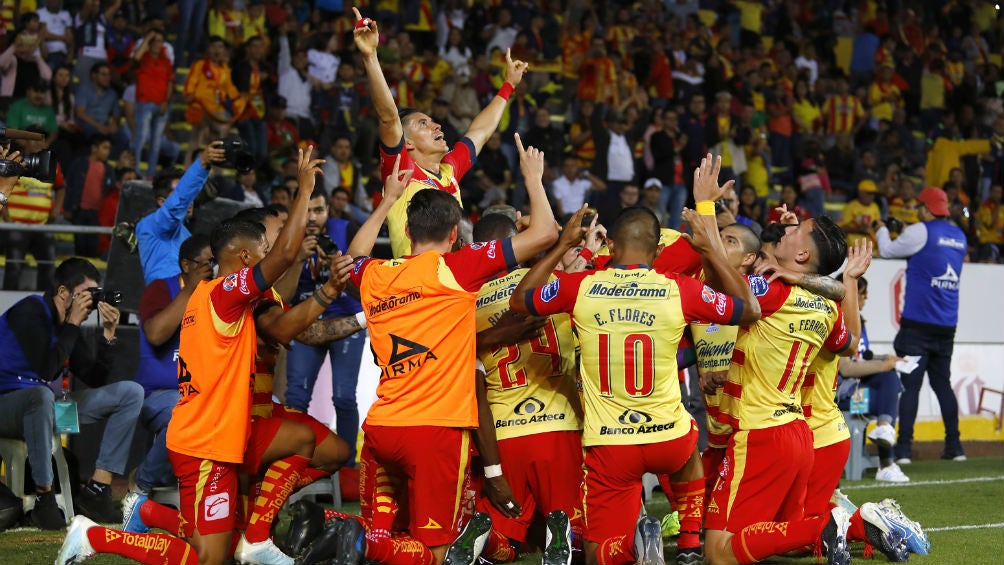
321, 432
827, 467
416, 479
762, 478
614, 481
208, 494
712, 460
263, 431
544, 472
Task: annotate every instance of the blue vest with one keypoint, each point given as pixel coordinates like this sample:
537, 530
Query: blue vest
15, 371
158, 366
344, 305
932, 276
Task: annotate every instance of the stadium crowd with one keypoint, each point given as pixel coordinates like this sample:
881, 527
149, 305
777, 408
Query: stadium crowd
825, 121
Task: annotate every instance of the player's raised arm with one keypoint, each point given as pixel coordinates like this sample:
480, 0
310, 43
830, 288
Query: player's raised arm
287, 245
367, 39
543, 231
487, 121
542, 269
393, 187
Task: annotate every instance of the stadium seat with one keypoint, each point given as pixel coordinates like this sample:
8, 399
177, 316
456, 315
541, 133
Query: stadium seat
858, 460
329, 486
15, 456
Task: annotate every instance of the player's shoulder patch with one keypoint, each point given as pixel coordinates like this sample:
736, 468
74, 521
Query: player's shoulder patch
550, 290
230, 282
707, 294
359, 262
759, 285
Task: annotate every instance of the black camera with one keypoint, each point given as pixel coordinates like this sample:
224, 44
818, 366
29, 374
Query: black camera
327, 245
41, 166
895, 225
236, 155
110, 297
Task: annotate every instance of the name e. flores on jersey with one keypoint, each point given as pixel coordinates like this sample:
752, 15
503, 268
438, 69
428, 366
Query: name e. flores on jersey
529, 411
634, 422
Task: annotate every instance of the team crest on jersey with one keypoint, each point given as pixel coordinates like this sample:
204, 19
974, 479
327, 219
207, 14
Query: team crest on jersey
477, 245
707, 294
358, 265
550, 291
759, 285
230, 282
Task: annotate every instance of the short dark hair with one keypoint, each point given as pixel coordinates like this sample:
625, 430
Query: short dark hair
192, 247
216, 39
230, 230
121, 172
72, 272
162, 182
99, 138
831, 245
494, 226
772, 233
279, 209
281, 188
749, 239
254, 215
637, 226
98, 66
339, 189
404, 112
432, 214
319, 192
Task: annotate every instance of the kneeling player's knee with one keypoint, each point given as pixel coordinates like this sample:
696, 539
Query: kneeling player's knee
331, 453
718, 548
302, 438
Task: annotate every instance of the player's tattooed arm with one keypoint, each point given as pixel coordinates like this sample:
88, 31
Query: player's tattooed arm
823, 285
326, 331
510, 329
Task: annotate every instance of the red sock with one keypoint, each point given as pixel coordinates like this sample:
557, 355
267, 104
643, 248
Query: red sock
498, 549
156, 515
615, 551
398, 551
310, 475
275, 489
689, 497
759, 541
857, 530
667, 488
149, 549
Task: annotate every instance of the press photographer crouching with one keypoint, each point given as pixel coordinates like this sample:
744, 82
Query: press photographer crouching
39, 335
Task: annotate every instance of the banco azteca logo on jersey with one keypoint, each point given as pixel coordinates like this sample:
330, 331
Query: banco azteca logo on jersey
405, 356
529, 406
634, 417
529, 411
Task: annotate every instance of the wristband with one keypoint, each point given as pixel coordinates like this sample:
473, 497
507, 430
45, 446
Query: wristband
326, 296
706, 208
317, 296
492, 471
361, 319
586, 254
506, 91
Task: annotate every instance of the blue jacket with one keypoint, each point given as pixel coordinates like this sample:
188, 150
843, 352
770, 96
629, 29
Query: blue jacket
160, 234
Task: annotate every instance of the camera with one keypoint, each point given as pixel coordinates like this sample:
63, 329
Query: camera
326, 244
110, 297
41, 166
236, 155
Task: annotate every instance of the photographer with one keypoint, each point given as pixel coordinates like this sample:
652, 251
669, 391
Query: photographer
324, 237
934, 249
159, 234
40, 334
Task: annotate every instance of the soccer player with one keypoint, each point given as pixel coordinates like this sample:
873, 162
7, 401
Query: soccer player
629, 319
421, 319
756, 507
419, 140
530, 435
210, 427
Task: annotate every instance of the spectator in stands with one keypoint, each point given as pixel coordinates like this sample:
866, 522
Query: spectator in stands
440, 112
861, 213
33, 110
544, 136
665, 146
958, 201
32, 201
87, 183
159, 234
843, 113
90, 28
456, 52
935, 250
97, 108
296, 86
110, 203
250, 78
692, 128
57, 32
749, 207
339, 207
210, 94
304, 361
840, 161
614, 160
790, 195
650, 199
724, 137
154, 86
41, 335
344, 171
903, 205
119, 40
69, 139
191, 16
282, 135
245, 190
160, 311
572, 189
990, 225
21, 66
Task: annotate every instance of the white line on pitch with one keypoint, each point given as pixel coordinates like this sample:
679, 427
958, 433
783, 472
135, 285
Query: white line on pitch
967, 527
923, 483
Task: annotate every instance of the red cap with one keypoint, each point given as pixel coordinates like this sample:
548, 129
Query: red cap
935, 199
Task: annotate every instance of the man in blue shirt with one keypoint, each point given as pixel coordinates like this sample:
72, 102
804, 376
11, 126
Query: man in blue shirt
159, 235
934, 249
97, 108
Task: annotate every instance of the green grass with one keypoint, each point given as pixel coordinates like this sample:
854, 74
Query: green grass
934, 506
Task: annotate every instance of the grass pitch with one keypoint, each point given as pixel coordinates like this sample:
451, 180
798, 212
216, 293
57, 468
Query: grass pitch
961, 504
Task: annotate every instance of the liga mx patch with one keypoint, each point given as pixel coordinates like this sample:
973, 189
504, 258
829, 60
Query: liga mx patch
759, 285
230, 282
707, 294
550, 291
